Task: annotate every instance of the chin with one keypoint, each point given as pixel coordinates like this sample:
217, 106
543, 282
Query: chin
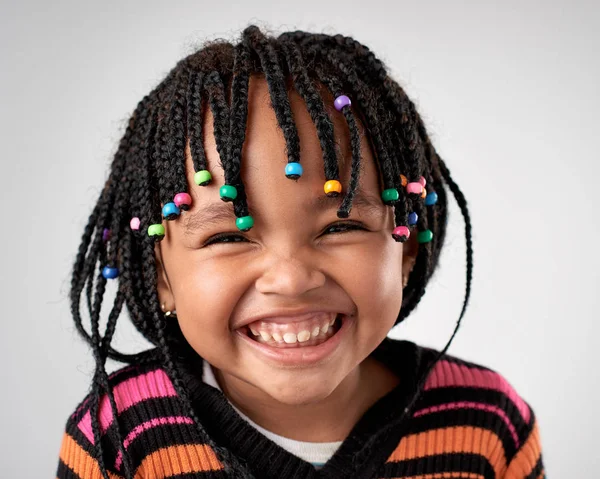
300, 392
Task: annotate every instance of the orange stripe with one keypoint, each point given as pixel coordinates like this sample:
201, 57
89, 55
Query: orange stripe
465, 439
445, 475
79, 461
527, 457
184, 459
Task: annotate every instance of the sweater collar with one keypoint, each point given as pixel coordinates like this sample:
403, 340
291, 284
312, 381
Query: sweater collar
364, 450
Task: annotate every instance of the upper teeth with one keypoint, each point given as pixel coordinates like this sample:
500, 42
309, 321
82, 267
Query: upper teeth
291, 337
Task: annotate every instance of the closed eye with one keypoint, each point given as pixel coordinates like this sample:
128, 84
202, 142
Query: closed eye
225, 238
337, 228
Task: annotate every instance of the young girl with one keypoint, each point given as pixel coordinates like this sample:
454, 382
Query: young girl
274, 208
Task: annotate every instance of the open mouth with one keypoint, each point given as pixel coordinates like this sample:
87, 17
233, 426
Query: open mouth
311, 332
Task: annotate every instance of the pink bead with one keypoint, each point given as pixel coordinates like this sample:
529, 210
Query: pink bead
416, 188
182, 199
423, 181
400, 231
134, 224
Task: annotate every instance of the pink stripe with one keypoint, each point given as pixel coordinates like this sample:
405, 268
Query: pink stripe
110, 376
447, 374
154, 384
159, 421
474, 405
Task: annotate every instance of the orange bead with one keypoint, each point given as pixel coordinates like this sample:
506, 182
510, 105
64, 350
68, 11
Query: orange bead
404, 180
333, 188
424, 194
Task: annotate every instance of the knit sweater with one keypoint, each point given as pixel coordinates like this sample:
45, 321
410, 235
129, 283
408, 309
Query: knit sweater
467, 423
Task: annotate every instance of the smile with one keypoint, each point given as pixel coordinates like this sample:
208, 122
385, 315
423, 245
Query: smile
310, 330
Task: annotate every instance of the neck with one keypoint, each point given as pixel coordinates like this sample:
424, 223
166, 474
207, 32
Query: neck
327, 420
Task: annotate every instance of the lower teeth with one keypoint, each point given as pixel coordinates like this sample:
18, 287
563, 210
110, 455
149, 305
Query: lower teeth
312, 341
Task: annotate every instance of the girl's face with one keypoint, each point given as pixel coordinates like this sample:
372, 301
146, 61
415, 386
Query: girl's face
299, 269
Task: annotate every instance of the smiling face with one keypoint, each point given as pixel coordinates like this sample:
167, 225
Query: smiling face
247, 301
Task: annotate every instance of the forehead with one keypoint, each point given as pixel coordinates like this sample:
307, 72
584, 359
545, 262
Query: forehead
264, 154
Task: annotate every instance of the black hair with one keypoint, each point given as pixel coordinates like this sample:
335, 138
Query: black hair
148, 169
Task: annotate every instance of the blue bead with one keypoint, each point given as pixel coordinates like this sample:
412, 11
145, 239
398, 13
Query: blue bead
110, 273
431, 199
170, 211
413, 218
293, 171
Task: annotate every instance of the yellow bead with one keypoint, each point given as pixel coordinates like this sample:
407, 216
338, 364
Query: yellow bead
333, 188
404, 180
424, 194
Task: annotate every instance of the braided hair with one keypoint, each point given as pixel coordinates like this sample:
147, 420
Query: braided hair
148, 169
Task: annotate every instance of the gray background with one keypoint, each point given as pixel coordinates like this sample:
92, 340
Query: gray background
509, 92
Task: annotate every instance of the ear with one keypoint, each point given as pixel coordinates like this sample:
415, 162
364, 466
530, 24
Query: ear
165, 295
410, 249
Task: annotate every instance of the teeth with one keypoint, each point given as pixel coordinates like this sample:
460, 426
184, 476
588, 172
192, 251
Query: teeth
289, 338
325, 328
266, 336
277, 337
331, 322
303, 336
316, 331
255, 332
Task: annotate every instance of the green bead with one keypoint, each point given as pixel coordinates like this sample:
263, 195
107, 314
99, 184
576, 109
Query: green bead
156, 230
390, 195
228, 193
203, 177
244, 223
425, 236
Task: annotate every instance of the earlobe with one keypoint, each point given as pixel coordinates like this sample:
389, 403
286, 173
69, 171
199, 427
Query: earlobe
165, 295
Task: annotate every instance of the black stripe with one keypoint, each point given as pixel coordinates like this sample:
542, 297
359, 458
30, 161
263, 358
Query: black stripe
469, 418
537, 470
441, 396
64, 472
456, 463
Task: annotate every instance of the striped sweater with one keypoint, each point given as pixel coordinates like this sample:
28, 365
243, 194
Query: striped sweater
468, 423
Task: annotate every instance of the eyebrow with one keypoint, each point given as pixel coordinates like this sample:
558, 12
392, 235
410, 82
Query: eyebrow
218, 213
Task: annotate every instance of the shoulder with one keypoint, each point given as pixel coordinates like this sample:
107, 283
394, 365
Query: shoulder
146, 400
481, 411
467, 410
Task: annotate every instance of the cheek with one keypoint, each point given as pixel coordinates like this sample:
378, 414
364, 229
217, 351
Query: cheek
375, 281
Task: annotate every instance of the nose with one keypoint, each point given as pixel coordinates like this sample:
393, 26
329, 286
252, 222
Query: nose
289, 276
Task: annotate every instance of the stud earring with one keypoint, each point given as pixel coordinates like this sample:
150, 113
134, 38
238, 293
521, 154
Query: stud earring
170, 313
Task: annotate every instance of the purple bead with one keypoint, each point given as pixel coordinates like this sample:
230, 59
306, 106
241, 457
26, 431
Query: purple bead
105, 235
341, 101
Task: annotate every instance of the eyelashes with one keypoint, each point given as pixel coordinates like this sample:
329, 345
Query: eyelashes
335, 229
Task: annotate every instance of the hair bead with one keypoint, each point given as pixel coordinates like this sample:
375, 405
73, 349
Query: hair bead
134, 224
110, 273
390, 195
413, 218
425, 236
156, 231
202, 178
183, 201
404, 181
424, 193
401, 234
106, 235
431, 199
416, 188
341, 101
332, 188
423, 181
170, 211
245, 223
293, 171
228, 193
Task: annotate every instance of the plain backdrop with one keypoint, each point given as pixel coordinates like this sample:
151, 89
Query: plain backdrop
509, 93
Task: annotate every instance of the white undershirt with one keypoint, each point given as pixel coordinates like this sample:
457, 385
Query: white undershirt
317, 453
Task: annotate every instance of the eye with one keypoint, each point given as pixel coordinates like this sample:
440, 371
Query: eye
344, 227
225, 238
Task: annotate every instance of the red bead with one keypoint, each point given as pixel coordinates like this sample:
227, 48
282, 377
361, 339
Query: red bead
401, 233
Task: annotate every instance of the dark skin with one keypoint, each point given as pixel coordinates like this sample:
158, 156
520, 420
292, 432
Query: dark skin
295, 257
